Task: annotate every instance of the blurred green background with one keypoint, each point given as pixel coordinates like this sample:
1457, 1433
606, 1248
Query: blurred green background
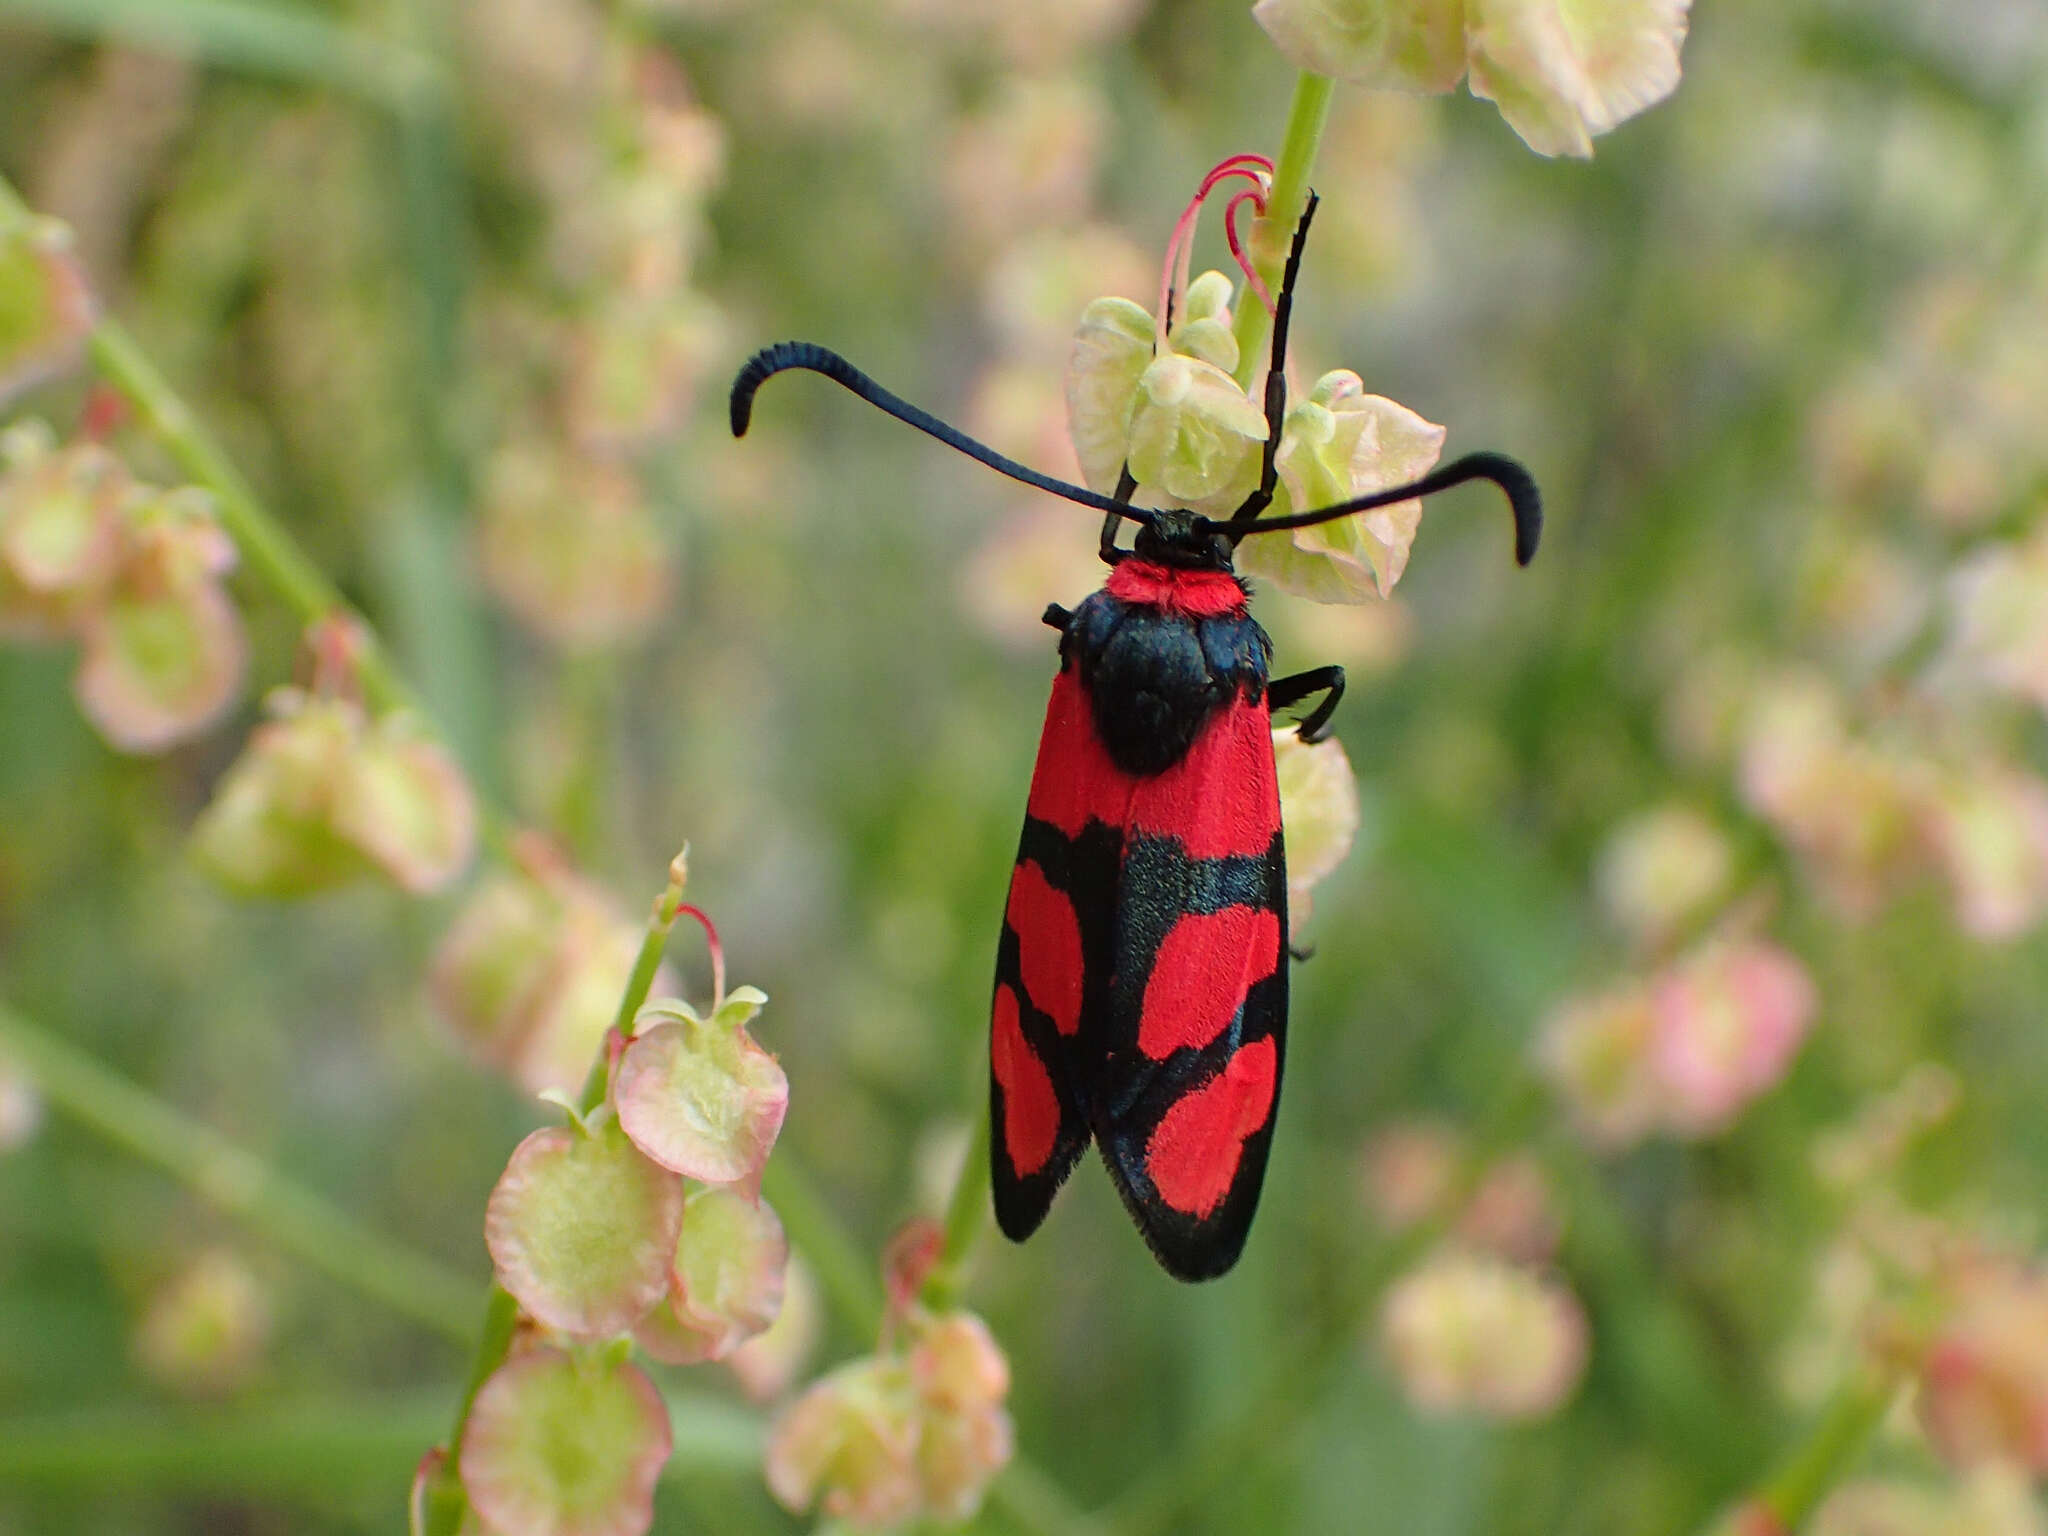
1791, 324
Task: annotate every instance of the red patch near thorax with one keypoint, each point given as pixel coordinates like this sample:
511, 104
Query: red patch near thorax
1075, 782
1223, 798
1048, 946
1202, 594
1031, 1110
1205, 966
1193, 1155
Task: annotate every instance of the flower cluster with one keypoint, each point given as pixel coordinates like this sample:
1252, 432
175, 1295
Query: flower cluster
1416, 1171
1866, 816
46, 308
641, 1219
1165, 402
1685, 1050
1471, 1332
132, 573
570, 539
323, 795
1983, 1394
1561, 71
528, 974
913, 1432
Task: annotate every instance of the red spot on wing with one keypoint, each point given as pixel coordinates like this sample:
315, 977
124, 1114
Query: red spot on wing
1031, 1109
1048, 945
1075, 782
1202, 594
1193, 1155
1223, 798
1205, 965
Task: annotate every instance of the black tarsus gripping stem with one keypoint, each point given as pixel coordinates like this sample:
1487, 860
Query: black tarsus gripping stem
1518, 484
1285, 691
769, 361
1276, 372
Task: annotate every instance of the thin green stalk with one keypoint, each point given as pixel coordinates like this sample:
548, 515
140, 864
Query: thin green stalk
311, 1444
1838, 1439
1306, 116
240, 1183
288, 42
967, 1215
446, 1501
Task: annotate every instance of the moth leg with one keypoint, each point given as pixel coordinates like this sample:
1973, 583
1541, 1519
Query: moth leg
1328, 681
1056, 617
1126, 486
1276, 375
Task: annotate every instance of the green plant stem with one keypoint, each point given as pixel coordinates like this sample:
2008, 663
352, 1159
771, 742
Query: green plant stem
1306, 117
967, 1213
446, 1501
304, 1445
1838, 1438
240, 1183
287, 42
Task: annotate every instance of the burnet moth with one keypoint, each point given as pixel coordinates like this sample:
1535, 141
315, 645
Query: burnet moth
1141, 977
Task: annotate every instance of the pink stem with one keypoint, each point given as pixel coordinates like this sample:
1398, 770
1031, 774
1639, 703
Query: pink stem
1252, 279
717, 952
1173, 276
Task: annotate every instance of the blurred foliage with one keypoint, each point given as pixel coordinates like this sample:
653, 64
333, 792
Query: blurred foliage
1784, 331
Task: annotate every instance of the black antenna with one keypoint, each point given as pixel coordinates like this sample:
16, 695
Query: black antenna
1520, 486
769, 361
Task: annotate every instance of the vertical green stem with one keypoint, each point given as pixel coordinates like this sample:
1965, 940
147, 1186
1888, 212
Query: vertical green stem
1306, 116
966, 1218
1841, 1435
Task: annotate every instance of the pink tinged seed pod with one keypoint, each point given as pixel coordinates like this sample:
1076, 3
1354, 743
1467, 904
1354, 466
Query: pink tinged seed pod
1564, 71
1728, 1022
48, 311
1848, 810
725, 1282
958, 1456
560, 1446
1990, 834
529, 974
849, 1446
582, 1229
769, 1363
698, 1095
163, 651
1998, 617
1984, 1377
1472, 1334
1561, 71
1025, 161
1596, 1052
1407, 1169
1989, 1500
1337, 444
571, 547
1318, 812
1660, 871
956, 1363
62, 530
206, 1329
322, 796
1512, 1214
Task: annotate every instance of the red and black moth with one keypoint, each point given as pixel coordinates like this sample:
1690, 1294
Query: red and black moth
1141, 977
